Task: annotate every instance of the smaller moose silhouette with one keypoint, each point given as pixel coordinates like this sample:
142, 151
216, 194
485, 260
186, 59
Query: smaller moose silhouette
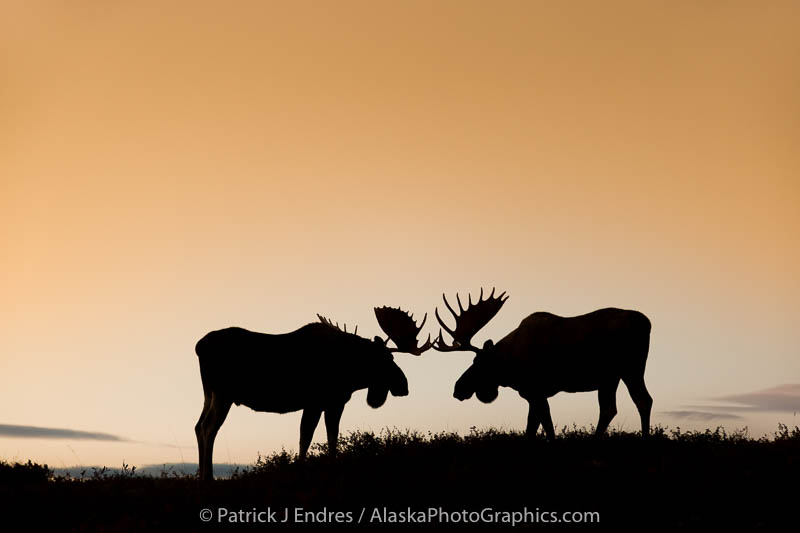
548, 354
315, 369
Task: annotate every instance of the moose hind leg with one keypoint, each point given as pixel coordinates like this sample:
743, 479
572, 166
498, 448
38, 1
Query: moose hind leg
308, 423
607, 397
642, 399
332, 417
210, 427
198, 431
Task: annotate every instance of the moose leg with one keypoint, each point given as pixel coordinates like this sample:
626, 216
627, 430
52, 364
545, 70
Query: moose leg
308, 423
210, 426
198, 431
607, 397
533, 421
642, 399
333, 415
540, 410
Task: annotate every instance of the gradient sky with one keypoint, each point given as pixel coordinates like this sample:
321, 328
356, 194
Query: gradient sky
169, 168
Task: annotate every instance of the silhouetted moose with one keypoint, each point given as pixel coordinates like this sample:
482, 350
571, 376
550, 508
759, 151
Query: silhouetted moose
548, 354
315, 369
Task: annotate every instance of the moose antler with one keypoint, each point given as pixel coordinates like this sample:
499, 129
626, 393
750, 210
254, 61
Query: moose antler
469, 322
329, 322
402, 329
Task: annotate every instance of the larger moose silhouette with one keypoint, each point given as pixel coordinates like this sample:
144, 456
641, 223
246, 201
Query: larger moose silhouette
548, 354
315, 369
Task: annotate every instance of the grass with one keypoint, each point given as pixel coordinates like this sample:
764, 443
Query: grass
675, 479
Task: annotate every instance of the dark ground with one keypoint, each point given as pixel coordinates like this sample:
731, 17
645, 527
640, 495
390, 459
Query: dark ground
674, 480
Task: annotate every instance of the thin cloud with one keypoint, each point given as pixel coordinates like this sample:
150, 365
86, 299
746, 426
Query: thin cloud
34, 432
779, 399
703, 416
783, 398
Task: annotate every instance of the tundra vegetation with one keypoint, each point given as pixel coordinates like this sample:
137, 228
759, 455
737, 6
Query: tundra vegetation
675, 479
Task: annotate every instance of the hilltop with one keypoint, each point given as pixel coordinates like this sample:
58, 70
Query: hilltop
672, 480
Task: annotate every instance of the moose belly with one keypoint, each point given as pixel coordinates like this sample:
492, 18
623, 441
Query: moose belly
581, 387
269, 395
282, 405
553, 387
573, 379
287, 400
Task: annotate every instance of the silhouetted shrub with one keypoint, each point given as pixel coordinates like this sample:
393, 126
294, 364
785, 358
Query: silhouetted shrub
23, 473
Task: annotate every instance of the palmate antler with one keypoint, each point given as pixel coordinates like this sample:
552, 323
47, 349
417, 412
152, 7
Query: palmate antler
469, 322
402, 329
329, 322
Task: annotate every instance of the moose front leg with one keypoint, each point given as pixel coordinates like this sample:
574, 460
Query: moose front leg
533, 421
539, 413
308, 423
333, 415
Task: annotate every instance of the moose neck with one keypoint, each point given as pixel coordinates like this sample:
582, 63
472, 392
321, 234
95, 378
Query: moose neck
504, 369
361, 373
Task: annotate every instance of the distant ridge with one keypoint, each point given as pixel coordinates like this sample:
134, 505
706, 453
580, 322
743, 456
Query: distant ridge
156, 470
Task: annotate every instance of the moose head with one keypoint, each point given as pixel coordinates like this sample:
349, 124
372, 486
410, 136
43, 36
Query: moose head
481, 377
378, 369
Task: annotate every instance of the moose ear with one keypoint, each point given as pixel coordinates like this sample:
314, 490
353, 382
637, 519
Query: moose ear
377, 340
488, 344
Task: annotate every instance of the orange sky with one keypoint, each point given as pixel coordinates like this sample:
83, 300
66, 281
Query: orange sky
168, 170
